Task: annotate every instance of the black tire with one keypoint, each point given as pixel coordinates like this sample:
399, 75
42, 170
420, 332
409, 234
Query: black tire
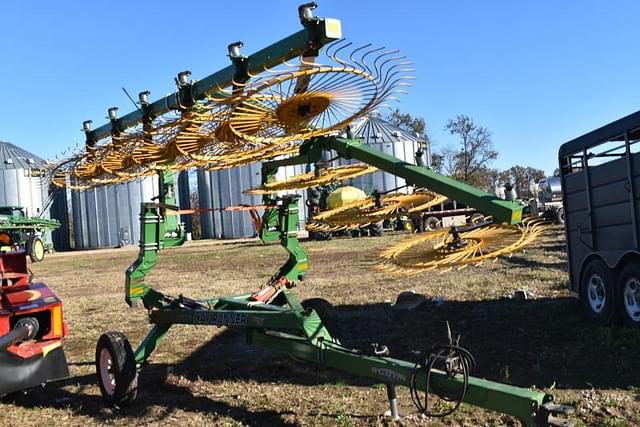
628, 295
355, 233
431, 223
35, 248
559, 216
597, 292
476, 218
327, 314
116, 365
376, 229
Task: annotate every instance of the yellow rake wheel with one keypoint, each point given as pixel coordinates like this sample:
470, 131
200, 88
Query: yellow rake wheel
300, 101
364, 212
262, 119
311, 179
443, 250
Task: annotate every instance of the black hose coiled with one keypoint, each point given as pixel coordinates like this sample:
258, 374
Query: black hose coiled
452, 359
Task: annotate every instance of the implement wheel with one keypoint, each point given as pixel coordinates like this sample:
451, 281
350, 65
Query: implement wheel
432, 223
116, 369
35, 248
376, 230
597, 289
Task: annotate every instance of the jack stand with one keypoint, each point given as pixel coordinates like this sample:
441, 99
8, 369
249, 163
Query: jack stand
393, 402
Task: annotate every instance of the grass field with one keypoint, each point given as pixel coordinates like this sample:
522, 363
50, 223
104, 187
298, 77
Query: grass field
210, 376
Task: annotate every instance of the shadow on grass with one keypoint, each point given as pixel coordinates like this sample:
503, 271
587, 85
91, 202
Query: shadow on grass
539, 342
518, 261
156, 400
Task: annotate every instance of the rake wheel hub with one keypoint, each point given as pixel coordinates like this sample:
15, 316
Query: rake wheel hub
296, 112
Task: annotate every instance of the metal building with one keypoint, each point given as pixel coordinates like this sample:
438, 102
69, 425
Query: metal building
390, 139
220, 189
108, 216
223, 188
22, 183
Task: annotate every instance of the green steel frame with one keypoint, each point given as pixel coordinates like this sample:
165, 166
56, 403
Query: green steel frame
317, 32
277, 319
282, 324
509, 212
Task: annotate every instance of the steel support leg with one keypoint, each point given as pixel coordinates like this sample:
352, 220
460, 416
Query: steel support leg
393, 401
150, 342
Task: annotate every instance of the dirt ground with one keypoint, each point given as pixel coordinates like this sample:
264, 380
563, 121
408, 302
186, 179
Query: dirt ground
210, 376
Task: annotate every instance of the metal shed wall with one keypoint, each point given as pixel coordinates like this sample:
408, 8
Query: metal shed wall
20, 188
108, 216
220, 189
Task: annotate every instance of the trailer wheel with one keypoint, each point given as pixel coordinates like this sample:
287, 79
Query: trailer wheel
325, 311
431, 223
597, 292
628, 293
35, 248
116, 369
559, 216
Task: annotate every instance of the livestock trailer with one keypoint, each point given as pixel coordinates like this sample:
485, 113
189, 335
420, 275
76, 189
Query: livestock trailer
600, 173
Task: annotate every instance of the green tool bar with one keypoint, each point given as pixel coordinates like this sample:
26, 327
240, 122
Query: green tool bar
283, 50
283, 320
518, 402
487, 203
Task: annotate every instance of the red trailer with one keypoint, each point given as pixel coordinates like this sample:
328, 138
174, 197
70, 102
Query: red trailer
32, 328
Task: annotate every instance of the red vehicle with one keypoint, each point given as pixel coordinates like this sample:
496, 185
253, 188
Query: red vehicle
32, 328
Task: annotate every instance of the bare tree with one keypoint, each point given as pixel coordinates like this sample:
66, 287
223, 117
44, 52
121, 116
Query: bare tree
407, 122
470, 162
416, 126
521, 178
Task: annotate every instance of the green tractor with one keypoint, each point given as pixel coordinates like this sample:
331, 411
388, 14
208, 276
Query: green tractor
20, 232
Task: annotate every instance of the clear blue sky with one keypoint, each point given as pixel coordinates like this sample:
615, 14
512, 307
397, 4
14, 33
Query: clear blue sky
536, 74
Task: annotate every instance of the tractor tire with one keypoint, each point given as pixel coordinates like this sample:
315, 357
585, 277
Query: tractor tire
376, 229
628, 295
35, 248
327, 314
559, 216
116, 369
431, 223
597, 292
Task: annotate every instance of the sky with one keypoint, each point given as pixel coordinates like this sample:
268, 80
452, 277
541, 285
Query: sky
536, 74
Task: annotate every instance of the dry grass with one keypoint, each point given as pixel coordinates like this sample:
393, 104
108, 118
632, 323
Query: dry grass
209, 376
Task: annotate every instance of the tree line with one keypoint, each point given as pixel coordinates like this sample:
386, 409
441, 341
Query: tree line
470, 159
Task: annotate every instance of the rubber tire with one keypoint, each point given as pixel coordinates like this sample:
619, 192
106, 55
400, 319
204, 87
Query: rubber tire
35, 248
327, 314
559, 216
476, 218
124, 369
431, 223
631, 270
376, 229
607, 315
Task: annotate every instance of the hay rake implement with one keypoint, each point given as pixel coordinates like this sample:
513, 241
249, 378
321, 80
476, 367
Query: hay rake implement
306, 87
